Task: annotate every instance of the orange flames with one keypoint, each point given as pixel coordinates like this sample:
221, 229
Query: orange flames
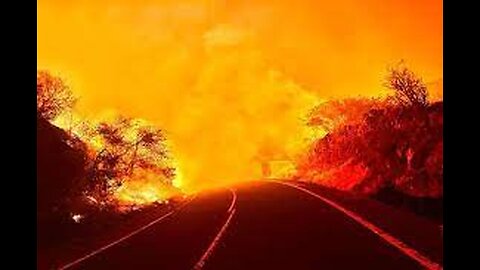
144, 188
144, 185
231, 81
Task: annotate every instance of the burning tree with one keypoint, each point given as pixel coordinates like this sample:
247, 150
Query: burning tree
124, 146
373, 145
53, 96
119, 162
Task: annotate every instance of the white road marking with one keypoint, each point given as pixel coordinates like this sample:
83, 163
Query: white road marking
234, 200
410, 252
91, 254
199, 265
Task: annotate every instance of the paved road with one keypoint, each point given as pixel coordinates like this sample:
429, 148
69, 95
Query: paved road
260, 225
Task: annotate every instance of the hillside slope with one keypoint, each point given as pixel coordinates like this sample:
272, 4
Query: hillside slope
59, 167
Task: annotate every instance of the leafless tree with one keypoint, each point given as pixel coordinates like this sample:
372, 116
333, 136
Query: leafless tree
409, 89
53, 96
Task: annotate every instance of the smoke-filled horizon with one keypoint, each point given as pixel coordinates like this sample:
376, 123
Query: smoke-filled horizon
230, 81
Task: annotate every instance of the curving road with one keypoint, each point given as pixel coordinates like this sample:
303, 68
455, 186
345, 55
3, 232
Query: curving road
264, 225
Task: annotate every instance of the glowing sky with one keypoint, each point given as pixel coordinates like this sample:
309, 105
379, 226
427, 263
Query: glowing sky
230, 80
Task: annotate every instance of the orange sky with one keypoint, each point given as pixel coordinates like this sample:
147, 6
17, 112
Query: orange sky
231, 79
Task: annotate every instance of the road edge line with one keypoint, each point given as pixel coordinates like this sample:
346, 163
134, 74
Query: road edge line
404, 248
105, 247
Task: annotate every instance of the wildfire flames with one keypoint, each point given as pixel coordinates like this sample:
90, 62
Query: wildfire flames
144, 188
231, 83
140, 174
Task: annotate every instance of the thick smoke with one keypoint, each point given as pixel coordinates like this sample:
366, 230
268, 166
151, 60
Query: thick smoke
230, 81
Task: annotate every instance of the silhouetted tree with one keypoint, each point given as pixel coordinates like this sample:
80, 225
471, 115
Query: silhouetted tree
126, 145
409, 89
53, 96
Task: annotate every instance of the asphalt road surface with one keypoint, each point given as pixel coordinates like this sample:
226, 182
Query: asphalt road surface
260, 225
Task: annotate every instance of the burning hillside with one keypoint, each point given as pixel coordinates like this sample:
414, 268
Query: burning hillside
230, 80
127, 159
396, 143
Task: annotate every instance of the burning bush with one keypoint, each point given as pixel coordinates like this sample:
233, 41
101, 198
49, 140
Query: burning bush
378, 144
144, 187
122, 148
126, 158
